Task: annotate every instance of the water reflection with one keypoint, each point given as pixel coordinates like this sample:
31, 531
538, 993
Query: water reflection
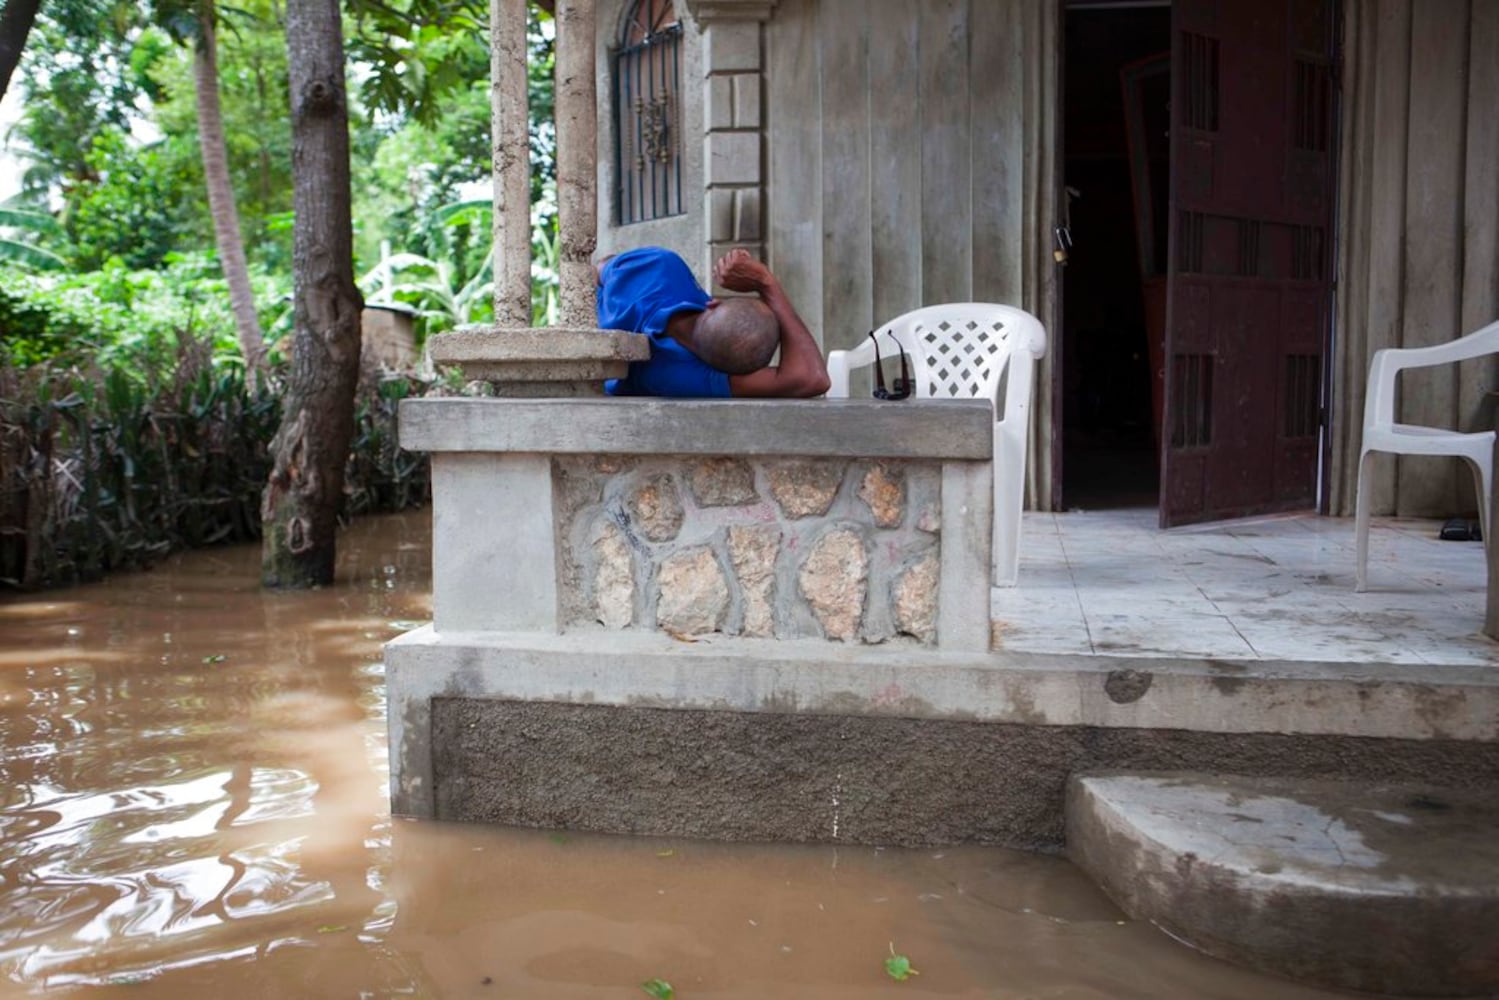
193, 802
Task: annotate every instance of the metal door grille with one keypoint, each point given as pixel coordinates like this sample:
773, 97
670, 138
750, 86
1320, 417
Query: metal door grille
1192, 387
647, 113
1303, 408
1201, 82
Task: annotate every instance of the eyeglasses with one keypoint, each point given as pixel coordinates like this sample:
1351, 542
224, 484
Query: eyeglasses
902, 387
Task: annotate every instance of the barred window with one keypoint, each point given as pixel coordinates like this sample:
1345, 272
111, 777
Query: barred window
647, 114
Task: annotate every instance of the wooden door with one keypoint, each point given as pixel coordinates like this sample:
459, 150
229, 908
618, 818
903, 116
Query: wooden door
1250, 271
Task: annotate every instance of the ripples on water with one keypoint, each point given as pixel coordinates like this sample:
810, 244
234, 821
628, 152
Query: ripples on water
193, 803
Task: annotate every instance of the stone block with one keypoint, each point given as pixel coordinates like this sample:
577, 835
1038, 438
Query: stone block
747, 100
723, 482
732, 158
884, 492
719, 94
656, 508
753, 550
805, 489
720, 214
693, 593
613, 578
930, 519
747, 218
834, 580
915, 599
731, 47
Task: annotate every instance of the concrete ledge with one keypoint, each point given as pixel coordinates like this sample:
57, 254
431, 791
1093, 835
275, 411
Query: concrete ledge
537, 345
918, 429
1388, 889
907, 680
987, 743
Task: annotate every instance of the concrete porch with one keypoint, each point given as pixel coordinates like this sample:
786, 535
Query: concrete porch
1273, 591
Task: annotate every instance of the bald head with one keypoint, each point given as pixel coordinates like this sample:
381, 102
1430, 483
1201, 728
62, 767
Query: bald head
737, 336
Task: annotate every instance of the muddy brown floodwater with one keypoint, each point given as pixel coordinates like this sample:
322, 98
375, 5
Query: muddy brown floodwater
194, 805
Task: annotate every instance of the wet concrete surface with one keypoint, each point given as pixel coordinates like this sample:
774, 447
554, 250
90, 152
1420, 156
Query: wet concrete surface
193, 802
1370, 885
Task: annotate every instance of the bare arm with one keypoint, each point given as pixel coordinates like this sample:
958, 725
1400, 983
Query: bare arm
802, 372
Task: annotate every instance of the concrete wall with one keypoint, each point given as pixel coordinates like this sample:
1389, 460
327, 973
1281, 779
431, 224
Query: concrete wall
911, 161
856, 521
1418, 237
848, 778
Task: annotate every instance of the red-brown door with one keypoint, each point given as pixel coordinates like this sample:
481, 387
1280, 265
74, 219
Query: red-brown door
1249, 299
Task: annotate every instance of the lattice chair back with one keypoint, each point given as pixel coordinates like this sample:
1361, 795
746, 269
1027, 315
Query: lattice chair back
969, 350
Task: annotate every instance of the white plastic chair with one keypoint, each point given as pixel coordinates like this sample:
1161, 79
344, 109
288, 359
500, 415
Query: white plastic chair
969, 350
1382, 433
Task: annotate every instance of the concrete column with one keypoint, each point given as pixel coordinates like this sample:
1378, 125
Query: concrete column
512, 163
577, 128
733, 124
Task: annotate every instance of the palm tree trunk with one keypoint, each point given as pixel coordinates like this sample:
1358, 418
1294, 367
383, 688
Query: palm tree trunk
299, 508
221, 196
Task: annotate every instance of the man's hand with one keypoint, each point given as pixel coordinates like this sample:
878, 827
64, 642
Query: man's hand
801, 372
739, 272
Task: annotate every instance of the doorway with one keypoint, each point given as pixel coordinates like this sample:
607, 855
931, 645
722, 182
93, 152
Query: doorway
1116, 171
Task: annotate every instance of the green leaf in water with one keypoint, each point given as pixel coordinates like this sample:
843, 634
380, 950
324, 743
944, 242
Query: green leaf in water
332, 928
558, 838
665, 852
215, 658
658, 988
898, 967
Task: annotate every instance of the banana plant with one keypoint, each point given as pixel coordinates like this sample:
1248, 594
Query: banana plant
16, 224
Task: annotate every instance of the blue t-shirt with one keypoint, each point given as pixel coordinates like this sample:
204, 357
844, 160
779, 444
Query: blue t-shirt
641, 290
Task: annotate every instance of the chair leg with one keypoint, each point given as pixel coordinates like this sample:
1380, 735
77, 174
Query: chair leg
1361, 522
1485, 500
1009, 499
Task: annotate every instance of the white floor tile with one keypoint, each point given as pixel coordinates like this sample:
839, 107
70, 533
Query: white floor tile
1276, 588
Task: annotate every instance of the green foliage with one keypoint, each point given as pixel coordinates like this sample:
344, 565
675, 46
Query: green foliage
20, 228
417, 52
658, 988
119, 317
130, 208
433, 289
253, 101
898, 967
77, 80
99, 472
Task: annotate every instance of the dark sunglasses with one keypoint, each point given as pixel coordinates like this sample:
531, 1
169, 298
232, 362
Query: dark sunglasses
902, 387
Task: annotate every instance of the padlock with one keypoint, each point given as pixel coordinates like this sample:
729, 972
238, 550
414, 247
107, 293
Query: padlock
1064, 245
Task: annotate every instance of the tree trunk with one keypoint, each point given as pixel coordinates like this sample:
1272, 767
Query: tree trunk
299, 510
15, 24
221, 195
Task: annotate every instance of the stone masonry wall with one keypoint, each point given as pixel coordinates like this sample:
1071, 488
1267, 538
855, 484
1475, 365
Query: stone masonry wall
784, 548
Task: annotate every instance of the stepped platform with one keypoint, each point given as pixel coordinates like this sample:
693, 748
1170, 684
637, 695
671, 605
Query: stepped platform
1381, 888
772, 620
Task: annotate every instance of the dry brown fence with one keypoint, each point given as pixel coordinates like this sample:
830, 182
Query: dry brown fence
99, 472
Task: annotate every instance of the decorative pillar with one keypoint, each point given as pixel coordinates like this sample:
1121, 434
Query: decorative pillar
574, 359
733, 123
577, 175
512, 163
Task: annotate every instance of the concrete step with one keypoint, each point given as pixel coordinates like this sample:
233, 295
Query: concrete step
1387, 889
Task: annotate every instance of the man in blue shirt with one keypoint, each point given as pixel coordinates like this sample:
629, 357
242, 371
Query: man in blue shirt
702, 346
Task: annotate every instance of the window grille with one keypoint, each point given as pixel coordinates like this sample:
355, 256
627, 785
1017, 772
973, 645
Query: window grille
647, 113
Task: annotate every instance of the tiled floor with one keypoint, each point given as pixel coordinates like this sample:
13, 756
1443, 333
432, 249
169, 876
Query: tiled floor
1280, 588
